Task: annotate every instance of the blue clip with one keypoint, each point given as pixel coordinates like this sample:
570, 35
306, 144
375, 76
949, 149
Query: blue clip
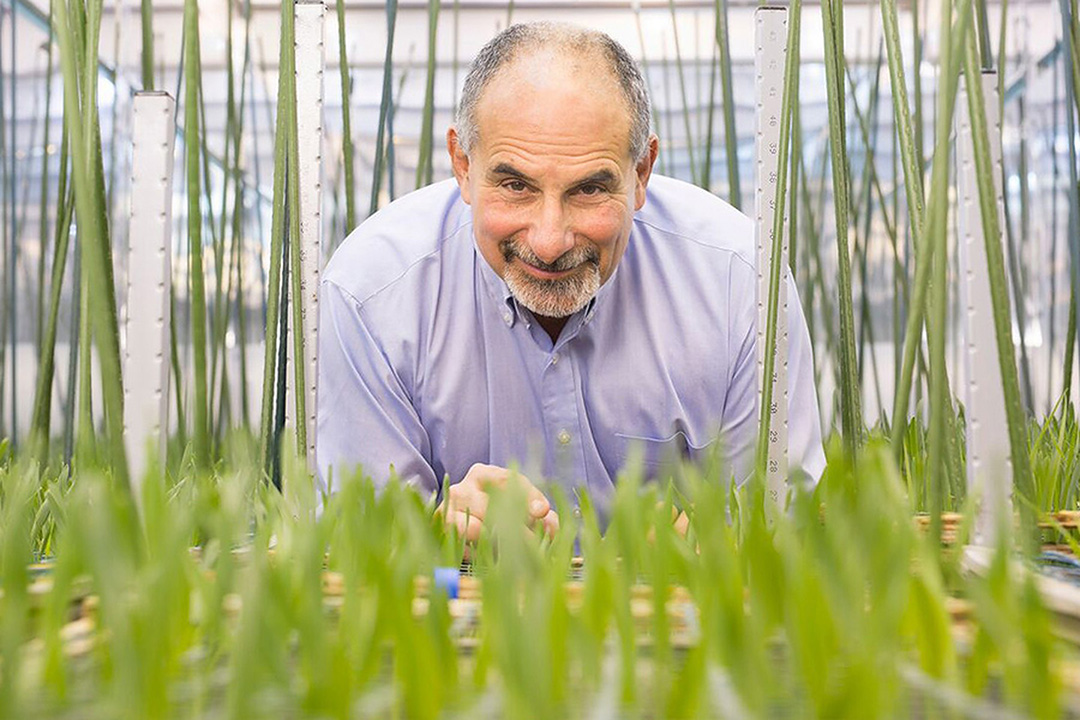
449, 580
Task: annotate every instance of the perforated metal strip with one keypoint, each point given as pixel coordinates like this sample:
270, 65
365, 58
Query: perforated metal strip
149, 278
989, 470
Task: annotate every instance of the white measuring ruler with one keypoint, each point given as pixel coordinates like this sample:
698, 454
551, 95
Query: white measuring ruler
310, 64
770, 52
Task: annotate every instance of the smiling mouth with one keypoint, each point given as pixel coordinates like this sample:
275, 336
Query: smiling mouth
543, 274
519, 255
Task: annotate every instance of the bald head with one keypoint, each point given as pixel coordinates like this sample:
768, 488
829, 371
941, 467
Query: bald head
592, 52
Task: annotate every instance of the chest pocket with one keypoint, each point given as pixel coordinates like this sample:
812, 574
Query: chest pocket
658, 456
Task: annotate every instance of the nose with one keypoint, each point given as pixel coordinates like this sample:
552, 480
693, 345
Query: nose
551, 236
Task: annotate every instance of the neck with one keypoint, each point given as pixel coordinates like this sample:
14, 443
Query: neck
552, 326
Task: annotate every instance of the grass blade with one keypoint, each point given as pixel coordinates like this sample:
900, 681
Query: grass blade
346, 124
192, 144
424, 168
832, 24
384, 106
731, 138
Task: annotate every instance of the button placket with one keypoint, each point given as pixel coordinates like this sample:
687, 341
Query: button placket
561, 417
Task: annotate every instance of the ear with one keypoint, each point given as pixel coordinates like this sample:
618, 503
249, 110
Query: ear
459, 161
643, 170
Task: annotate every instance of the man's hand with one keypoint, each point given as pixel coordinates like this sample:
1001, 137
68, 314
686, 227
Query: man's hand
466, 502
679, 520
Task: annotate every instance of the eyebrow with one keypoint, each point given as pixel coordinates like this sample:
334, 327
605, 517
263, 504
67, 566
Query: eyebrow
600, 177
508, 170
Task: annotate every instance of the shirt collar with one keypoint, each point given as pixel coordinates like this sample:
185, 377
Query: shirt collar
496, 288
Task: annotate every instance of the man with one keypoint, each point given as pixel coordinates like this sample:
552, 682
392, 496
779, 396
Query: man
551, 307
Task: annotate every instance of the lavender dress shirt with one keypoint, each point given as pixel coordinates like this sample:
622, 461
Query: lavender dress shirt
428, 364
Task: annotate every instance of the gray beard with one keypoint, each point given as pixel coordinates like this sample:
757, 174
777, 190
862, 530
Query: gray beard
552, 298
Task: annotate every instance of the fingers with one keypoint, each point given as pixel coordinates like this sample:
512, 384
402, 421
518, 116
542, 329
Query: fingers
466, 502
482, 477
682, 524
488, 476
467, 497
679, 520
468, 526
550, 523
539, 507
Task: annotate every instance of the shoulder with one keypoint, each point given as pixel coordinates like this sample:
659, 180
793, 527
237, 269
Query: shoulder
399, 244
694, 225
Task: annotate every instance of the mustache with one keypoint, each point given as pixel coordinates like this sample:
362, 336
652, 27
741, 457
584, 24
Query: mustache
569, 260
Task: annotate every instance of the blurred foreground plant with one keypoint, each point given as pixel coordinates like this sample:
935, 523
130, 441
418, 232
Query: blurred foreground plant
226, 598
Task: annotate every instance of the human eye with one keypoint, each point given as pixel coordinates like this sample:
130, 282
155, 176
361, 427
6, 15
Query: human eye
516, 186
590, 190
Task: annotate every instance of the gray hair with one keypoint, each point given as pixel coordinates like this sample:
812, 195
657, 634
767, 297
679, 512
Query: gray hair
512, 42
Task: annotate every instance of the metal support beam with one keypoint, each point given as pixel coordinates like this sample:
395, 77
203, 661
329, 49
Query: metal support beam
989, 470
146, 351
770, 51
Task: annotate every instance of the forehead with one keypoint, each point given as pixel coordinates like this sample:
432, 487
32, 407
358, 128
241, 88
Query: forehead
555, 101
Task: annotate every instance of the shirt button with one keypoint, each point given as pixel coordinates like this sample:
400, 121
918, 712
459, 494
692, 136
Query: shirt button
555, 359
507, 318
564, 437
577, 512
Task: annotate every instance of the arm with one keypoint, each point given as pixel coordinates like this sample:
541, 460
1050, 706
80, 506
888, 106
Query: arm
365, 413
805, 449
366, 418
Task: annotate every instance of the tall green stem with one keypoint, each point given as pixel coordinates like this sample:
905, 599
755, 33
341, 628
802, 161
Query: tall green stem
706, 163
278, 233
384, 106
682, 90
832, 12
424, 167
292, 186
192, 135
346, 123
89, 201
43, 225
933, 256
731, 138
147, 16
919, 216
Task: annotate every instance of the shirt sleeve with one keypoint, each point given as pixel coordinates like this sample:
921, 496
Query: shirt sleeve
366, 418
740, 419
805, 450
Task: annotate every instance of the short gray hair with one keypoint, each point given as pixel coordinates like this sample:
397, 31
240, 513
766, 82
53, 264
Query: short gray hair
512, 42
